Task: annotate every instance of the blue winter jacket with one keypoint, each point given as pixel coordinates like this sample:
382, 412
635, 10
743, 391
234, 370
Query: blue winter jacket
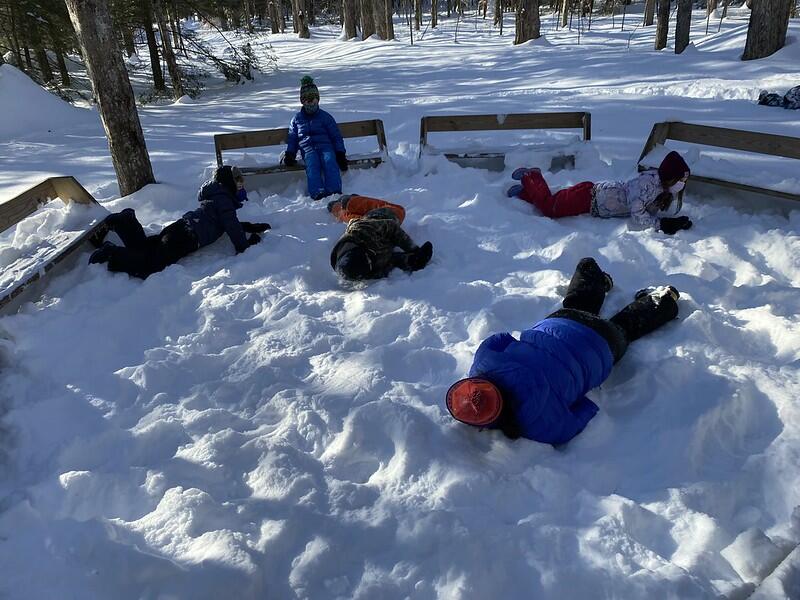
216, 215
314, 132
545, 375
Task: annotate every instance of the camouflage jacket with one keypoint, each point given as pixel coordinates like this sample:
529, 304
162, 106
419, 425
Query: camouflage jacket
379, 233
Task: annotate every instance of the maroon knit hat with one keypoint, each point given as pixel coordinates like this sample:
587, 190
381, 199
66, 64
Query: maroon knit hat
673, 167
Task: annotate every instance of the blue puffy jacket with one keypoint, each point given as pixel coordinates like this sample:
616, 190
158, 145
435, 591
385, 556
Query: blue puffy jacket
545, 375
216, 215
314, 132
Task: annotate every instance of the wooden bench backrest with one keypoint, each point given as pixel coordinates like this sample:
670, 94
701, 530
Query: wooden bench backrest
277, 137
17, 208
732, 139
560, 120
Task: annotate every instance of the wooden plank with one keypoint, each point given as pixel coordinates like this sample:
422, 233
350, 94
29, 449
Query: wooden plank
357, 163
17, 208
744, 187
251, 139
562, 120
69, 190
735, 139
658, 135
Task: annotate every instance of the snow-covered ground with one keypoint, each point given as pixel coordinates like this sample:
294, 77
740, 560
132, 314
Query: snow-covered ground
251, 427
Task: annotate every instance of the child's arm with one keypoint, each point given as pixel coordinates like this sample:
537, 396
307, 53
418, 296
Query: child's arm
292, 140
402, 239
333, 132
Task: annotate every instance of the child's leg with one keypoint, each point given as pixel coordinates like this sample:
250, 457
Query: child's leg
358, 206
174, 242
330, 168
536, 191
128, 228
647, 313
571, 201
587, 288
316, 189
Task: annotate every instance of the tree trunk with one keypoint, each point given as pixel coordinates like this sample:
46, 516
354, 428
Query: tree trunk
112, 88
683, 24
565, 12
527, 21
649, 12
127, 40
349, 19
387, 4
417, 15
44, 63
711, 6
295, 17
152, 46
434, 14
63, 72
169, 55
766, 33
662, 25
302, 23
274, 18
378, 18
58, 50
367, 21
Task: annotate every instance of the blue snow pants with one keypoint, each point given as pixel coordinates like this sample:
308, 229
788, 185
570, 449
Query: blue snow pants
322, 174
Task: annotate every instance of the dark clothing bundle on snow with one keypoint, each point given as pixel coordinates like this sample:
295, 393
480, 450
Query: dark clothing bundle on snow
544, 376
367, 248
790, 100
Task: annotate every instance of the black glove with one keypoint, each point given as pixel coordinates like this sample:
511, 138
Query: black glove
420, 257
253, 239
289, 159
255, 227
341, 160
671, 226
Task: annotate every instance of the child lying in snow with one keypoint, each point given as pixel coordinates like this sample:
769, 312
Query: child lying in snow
790, 100
143, 255
535, 387
315, 133
367, 248
641, 199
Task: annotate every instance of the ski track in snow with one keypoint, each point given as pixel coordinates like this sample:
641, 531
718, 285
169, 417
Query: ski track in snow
250, 426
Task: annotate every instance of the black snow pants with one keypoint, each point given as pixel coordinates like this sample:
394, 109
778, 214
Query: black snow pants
144, 255
584, 298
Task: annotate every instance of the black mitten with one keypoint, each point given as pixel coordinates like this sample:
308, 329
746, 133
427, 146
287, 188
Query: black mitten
671, 226
288, 159
341, 160
420, 257
255, 227
253, 239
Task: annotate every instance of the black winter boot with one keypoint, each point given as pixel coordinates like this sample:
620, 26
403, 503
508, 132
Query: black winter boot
588, 286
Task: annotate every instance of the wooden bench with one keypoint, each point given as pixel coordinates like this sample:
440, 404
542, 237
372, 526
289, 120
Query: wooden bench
18, 278
719, 137
277, 137
499, 122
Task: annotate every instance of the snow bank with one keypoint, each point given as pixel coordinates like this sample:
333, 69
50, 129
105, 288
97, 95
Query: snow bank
26, 108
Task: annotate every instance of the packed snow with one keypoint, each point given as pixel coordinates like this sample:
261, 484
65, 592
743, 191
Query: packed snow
250, 426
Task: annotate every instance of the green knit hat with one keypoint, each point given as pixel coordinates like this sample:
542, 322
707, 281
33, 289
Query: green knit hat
308, 89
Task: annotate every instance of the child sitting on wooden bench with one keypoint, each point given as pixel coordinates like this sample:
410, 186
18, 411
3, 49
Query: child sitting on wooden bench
642, 198
315, 133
